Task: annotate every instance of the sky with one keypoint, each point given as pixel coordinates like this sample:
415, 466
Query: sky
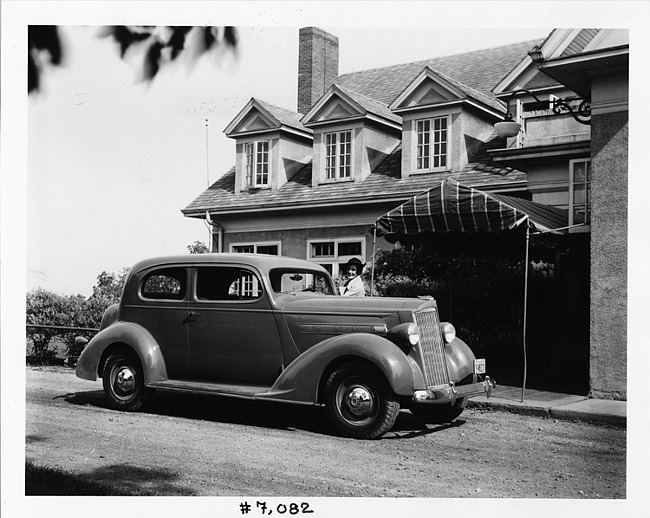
112, 160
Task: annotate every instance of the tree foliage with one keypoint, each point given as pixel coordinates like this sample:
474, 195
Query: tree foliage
160, 44
51, 311
198, 247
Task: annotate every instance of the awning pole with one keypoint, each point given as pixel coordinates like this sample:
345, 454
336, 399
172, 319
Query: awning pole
523, 386
372, 268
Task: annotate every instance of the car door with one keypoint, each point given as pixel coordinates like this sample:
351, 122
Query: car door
233, 334
161, 306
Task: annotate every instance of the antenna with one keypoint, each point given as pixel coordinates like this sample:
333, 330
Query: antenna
207, 177
207, 156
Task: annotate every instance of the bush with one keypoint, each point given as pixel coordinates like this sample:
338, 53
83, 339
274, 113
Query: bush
403, 286
46, 309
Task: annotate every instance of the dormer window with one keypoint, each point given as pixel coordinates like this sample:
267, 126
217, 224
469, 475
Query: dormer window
257, 163
431, 144
338, 152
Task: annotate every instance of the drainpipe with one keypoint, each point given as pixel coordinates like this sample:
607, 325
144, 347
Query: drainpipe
215, 226
372, 271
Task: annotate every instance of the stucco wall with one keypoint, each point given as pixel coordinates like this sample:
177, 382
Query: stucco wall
472, 132
294, 242
291, 155
608, 321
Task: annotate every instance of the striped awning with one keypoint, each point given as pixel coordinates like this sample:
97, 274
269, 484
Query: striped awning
453, 206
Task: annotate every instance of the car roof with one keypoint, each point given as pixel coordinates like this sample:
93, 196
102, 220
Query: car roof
262, 262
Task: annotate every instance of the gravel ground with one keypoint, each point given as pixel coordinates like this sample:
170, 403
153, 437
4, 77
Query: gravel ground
199, 445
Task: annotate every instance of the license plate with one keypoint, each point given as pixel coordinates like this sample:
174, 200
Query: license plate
479, 366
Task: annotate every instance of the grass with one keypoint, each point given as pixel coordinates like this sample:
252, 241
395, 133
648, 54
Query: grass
46, 481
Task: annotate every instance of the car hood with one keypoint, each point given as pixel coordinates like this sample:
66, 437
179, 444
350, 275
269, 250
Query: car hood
312, 318
352, 306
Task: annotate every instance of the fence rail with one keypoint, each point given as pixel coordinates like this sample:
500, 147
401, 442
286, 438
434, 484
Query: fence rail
61, 328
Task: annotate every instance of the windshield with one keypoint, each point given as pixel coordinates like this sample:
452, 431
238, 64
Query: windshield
285, 280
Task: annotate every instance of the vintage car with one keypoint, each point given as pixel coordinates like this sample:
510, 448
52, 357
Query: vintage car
273, 328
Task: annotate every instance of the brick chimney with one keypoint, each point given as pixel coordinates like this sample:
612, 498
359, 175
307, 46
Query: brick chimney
318, 65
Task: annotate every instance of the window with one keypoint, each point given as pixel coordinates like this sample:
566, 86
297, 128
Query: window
297, 281
580, 191
338, 152
272, 248
333, 254
431, 144
227, 283
167, 284
257, 164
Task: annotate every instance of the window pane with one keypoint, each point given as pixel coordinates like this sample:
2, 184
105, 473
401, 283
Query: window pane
267, 249
244, 249
579, 194
322, 249
250, 164
579, 172
217, 283
423, 151
330, 156
296, 281
349, 248
578, 215
165, 284
262, 177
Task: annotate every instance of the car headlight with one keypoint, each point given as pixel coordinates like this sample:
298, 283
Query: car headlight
413, 334
448, 332
404, 335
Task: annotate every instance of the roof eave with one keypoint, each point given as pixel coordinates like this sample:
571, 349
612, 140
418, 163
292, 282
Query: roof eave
476, 104
281, 128
349, 201
360, 117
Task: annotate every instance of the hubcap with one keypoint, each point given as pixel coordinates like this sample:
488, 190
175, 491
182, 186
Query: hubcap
125, 380
359, 402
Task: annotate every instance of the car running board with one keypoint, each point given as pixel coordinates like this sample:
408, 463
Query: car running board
205, 387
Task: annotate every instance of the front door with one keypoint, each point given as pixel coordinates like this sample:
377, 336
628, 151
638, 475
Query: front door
233, 335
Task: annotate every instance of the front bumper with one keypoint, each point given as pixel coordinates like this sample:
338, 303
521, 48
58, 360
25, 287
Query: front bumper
448, 394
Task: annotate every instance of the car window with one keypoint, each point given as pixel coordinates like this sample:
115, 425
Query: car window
295, 281
167, 284
227, 283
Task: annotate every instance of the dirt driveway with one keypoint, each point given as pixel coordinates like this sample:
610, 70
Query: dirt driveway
197, 445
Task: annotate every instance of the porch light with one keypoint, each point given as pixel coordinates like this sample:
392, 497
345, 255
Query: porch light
509, 128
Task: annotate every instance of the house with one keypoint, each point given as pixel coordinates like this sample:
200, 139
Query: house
310, 183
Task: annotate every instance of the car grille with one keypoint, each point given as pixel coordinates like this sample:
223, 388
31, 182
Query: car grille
432, 347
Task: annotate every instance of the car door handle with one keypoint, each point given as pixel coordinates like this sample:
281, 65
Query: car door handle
190, 317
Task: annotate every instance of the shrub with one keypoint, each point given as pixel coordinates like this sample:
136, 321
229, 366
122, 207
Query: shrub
46, 308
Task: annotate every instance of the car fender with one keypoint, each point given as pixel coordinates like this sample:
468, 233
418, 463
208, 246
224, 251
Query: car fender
132, 335
460, 359
299, 382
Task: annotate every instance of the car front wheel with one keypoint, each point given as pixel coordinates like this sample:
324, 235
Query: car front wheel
123, 381
359, 402
438, 414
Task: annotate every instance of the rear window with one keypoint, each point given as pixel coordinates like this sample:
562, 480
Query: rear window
165, 284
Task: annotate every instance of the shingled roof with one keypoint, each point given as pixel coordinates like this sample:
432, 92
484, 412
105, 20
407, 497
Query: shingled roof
284, 116
476, 73
480, 70
383, 183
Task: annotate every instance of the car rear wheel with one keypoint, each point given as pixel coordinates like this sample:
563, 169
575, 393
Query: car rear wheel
359, 402
123, 381
438, 414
